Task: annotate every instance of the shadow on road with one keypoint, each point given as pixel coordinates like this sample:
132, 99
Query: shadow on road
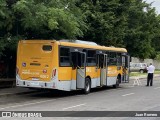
59, 94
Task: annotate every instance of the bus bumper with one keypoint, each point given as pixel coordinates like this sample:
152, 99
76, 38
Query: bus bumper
35, 84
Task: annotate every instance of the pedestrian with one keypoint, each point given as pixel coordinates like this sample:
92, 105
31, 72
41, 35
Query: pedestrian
150, 69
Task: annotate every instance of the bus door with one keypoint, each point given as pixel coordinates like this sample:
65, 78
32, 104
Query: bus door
102, 64
79, 68
125, 68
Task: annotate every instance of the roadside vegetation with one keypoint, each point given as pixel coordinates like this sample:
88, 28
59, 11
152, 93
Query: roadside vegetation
132, 24
141, 74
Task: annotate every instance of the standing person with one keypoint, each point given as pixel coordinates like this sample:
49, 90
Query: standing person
150, 69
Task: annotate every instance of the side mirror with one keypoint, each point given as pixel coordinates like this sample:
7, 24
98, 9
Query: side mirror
130, 59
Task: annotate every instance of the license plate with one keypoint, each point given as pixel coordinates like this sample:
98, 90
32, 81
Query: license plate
35, 79
35, 83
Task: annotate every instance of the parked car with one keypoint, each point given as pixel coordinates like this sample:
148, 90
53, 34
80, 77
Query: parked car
138, 67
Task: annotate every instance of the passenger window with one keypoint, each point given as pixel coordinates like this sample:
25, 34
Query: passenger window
119, 59
112, 58
91, 58
65, 57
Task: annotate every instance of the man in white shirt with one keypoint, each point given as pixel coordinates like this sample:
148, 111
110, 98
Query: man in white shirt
150, 69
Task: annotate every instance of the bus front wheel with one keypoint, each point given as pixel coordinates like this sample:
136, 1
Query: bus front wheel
87, 88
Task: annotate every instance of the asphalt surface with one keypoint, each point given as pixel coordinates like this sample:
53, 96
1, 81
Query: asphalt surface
133, 96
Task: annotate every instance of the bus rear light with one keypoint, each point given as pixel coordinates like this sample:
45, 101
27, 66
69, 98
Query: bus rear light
44, 71
54, 73
17, 71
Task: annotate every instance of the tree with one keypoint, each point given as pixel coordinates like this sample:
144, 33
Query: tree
50, 18
36, 19
122, 23
5, 23
141, 29
101, 20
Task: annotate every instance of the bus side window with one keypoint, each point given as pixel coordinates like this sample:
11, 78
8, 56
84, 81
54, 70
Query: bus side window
74, 60
112, 58
91, 58
119, 59
77, 60
108, 57
102, 61
65, 57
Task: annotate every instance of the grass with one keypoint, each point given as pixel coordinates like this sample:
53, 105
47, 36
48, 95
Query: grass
137, 74
140, 74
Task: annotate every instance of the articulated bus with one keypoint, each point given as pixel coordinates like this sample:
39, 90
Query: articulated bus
70, 65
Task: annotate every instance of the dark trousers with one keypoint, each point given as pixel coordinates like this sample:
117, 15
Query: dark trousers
150, 79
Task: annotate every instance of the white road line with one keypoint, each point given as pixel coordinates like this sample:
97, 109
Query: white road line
73, 106
131, 86
128, 94
157, 88
25, 104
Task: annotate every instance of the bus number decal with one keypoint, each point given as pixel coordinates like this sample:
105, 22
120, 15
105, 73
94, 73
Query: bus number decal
44, 76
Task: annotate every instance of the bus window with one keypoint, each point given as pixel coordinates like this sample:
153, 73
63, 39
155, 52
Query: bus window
102, 61
64, 56
77, 59
91, 58
112, 58
47, 47
107, 57
119, 59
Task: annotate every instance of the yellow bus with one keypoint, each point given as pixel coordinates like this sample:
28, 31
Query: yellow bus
70, 65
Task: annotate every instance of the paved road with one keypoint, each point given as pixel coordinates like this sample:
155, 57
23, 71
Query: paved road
131, 96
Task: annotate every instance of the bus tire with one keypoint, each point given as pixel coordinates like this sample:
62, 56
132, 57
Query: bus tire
87, 88
117, 83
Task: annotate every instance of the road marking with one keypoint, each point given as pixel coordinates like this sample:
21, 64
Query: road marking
25, 104
131, 86
73, 106
128, 94
157, 88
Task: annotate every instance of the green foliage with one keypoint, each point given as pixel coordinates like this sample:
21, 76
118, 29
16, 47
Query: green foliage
122, 23
158, 56
6, 18
141, 30
131, 24
54, 16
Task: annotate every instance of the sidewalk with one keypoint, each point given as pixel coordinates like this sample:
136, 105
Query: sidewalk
143, 76
7, 82
15, 91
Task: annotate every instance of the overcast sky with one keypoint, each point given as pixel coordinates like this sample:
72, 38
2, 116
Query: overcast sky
156, 4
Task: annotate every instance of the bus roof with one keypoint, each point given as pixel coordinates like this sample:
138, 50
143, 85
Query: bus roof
99, 47
80, 45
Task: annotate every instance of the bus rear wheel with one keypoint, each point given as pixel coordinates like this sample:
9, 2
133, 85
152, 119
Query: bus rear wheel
87, 88
117, 83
